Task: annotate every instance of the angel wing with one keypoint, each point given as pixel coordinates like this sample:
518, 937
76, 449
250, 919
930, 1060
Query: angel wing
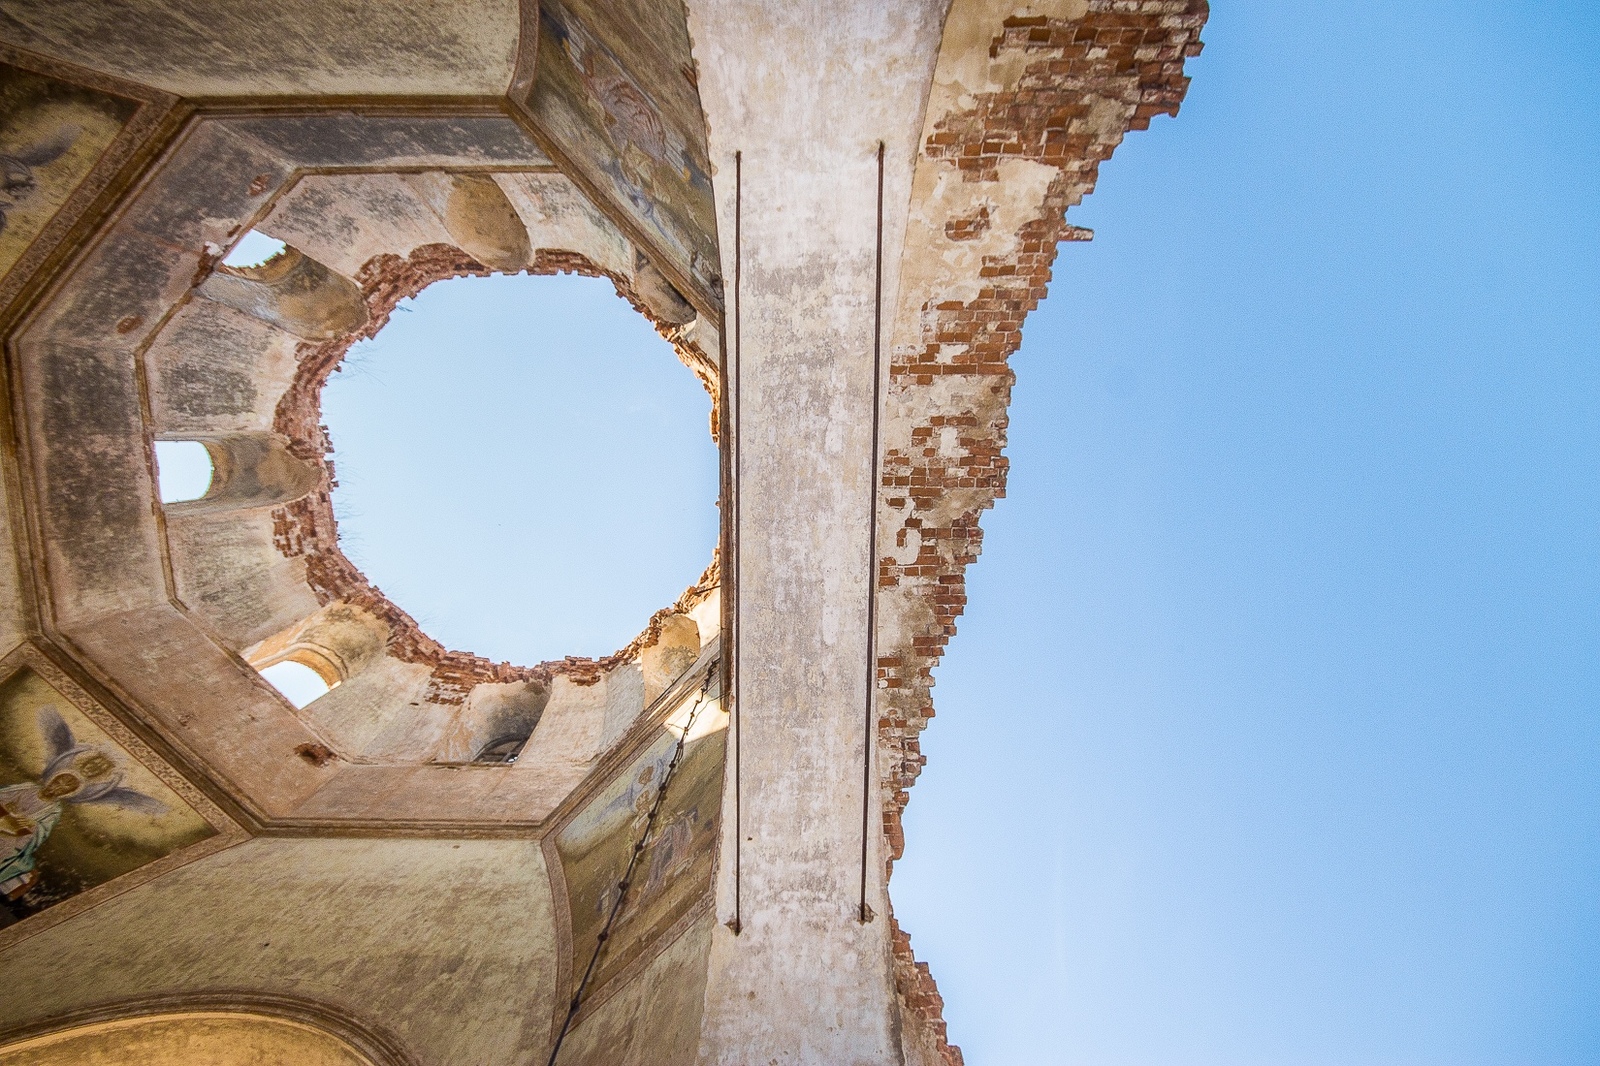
51, 148
128, 799
58, 738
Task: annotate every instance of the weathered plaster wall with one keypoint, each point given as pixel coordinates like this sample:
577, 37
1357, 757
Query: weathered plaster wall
286, 48
449, 945
616, 96
806, 93
215, 369
1026, 100
654, 1019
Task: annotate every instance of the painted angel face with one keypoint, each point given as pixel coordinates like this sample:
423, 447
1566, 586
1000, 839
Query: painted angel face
88, 768
61, 786
80, 773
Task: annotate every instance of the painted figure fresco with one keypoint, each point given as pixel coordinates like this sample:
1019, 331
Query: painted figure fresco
51, 135
673, 874
638, 122
76, 773
75, 808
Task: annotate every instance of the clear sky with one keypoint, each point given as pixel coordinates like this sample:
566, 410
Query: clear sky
1272, 731
554, 483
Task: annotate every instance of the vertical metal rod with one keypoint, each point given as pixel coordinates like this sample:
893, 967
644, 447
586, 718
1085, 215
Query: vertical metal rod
737, 925
872, 546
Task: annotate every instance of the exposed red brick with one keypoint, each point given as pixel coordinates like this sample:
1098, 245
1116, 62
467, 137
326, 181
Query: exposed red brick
306, 527
1087, 83
970, 228
920, 992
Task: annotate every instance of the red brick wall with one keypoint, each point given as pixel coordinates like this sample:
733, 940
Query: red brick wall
1125, 59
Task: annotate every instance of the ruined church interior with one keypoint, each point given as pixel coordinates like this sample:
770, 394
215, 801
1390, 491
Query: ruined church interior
837, 213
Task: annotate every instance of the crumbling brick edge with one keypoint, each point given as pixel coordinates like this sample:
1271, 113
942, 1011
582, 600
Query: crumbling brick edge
306, 528
1124, 58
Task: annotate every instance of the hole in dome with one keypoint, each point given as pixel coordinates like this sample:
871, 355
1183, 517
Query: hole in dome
298, 683
183, 470
253, 249
523, 465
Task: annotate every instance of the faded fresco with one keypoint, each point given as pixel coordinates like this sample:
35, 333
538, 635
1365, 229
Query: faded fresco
76, 809
674, 872
620, 99
51, 135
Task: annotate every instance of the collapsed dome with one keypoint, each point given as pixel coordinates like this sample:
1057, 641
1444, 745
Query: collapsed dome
522, 464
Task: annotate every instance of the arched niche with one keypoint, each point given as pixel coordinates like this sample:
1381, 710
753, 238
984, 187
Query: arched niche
216, 1037
337, 642
249, 470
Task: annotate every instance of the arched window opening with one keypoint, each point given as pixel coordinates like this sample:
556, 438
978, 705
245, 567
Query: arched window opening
299, 683
253, 249
183, 470
312, 657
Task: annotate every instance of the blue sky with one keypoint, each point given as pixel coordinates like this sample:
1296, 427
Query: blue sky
554, 483
1272, 731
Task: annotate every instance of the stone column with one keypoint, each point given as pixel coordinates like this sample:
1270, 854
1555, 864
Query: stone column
805, 92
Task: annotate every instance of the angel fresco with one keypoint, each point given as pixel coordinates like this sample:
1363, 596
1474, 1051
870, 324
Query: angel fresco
17, 179
74, 773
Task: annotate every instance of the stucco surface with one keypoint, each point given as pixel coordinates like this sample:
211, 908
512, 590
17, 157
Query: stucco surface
287, 48
447, 944
806, 93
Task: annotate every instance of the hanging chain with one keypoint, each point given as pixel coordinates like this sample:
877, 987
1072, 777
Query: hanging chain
627, 875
